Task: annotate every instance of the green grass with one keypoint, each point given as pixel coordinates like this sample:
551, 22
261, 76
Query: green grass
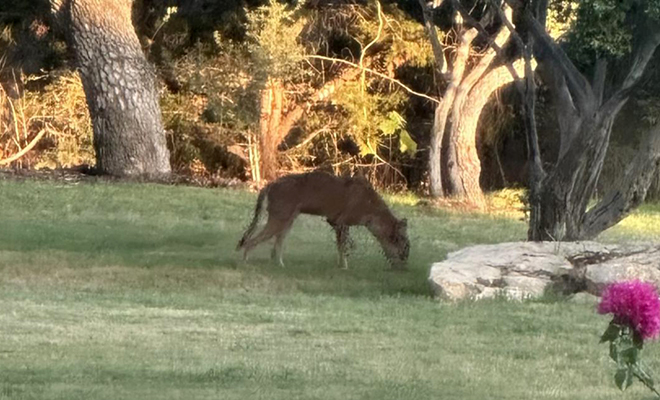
125, 291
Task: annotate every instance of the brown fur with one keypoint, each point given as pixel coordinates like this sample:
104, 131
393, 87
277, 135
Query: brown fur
344, 202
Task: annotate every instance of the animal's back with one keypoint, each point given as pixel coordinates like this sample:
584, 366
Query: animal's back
339, 199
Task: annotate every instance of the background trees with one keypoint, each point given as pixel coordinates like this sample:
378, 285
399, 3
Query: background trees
410, 94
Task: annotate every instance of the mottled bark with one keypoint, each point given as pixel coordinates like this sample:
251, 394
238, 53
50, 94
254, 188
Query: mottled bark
120, 87
444, 110
463, 166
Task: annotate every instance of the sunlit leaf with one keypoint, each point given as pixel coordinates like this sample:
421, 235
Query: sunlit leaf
406, 143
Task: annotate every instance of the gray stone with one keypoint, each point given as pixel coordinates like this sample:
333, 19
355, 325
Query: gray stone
642, 264
526, 269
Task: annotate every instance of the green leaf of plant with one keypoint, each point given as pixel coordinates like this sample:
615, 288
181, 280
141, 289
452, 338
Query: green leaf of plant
630, 355
629, 379
614, 352
406, 143
621, 378
392, 123
611, 333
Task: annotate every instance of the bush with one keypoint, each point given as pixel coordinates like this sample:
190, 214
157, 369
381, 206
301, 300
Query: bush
57, 114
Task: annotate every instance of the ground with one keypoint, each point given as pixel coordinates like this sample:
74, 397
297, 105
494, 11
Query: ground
112, 290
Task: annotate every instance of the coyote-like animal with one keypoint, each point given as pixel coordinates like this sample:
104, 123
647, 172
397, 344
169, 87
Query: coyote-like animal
344, 202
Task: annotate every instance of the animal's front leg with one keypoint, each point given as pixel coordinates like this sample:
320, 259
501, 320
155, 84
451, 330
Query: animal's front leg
343, 244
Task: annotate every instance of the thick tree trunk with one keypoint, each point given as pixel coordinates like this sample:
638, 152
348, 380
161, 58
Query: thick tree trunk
443, 111
120, 87
585, 118
463, 166
567, 190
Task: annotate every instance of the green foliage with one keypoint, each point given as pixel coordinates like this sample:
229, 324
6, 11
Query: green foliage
371, 117
561, 16
273, 31
625, 350
605, 28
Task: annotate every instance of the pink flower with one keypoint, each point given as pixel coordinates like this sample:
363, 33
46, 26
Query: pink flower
635, 304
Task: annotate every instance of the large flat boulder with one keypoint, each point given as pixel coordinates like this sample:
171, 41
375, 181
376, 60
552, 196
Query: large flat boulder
527, 269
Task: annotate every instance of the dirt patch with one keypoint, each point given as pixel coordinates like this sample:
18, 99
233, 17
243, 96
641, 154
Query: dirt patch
85, 174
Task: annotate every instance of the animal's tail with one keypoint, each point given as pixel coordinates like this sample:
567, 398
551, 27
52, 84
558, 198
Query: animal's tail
255, 220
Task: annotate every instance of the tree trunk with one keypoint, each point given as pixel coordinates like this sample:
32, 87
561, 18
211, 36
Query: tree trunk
463, 166
120, 87
566, 192
585, 119
270, 121
435, 152
442, 109
275, 125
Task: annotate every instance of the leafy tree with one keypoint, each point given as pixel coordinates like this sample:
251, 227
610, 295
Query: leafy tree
618, 39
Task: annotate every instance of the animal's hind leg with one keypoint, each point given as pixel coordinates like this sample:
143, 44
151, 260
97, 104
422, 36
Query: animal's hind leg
276, 254
273, 227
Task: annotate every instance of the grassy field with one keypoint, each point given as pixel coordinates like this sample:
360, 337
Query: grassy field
125, 291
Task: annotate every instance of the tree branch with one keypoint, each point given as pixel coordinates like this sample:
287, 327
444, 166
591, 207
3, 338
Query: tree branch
436, 46
629, 192
308, 139
482, 31
578, 85
641, 57
599, 79
27, 148
379, 74
485, 62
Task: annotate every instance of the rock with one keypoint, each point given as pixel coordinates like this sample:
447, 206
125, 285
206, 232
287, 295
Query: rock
642, 264
584, 298
527, 269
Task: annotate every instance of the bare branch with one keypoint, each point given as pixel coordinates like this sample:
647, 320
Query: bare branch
482, 31
641, 58
438, 50
485, 62
379, 74
308, 139
380, 31
27, 148
578, 85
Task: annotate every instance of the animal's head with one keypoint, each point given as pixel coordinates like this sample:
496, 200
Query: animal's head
397, 245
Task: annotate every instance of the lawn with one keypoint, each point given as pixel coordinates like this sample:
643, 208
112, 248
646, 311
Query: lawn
125, 291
